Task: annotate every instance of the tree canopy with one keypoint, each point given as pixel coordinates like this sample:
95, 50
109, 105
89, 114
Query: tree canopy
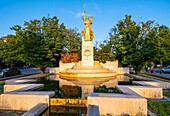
42, 42
39, 42
136, 44
139, 43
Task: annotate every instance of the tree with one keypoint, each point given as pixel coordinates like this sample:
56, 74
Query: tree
38, 42
157, 44
9, 50
134, 44
163, 44
126, 42
104, 52
72, 44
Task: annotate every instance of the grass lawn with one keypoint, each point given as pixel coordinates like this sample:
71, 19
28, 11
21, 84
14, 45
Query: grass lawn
1, 86
167, 94
161, 108
1, 90
2, 83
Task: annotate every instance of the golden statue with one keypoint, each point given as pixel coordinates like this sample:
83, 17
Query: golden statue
87, 33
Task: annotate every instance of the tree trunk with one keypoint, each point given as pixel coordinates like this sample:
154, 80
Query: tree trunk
42, 70
160, 66
137, 71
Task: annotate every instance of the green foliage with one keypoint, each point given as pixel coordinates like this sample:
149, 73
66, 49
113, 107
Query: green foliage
70, 91
126, 40
103, 89
137, 44
162, 108
39, 42
72, 44
104, 52
167, 94
1, 90
2, 83
51, 85
1, 86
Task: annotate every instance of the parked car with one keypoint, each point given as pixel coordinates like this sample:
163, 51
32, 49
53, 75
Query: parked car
9, 72
166, 69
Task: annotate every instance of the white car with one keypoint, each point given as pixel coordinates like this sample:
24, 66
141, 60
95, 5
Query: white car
166, 69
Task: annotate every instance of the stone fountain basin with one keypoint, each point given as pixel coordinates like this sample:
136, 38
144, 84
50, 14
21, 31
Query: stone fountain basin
88, 80
87, 75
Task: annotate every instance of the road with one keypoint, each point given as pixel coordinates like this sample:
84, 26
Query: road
29, 71
24, 72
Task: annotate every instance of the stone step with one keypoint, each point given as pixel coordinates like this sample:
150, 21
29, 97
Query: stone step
36, 110
87, 67
88, 71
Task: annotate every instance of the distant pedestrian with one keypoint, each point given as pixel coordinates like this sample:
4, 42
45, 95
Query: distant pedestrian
148, 69
161, 70
153, 69
24, 67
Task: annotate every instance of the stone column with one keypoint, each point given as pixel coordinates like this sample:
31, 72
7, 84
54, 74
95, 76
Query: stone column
87, 53
86, 89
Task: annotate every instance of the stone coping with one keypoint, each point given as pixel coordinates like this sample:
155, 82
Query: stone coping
134, 95
19, 95
50, 94
131, 91
119, 106
152, 82
17, 76
25, 79
36, 111
115, 95
22, 87
93, 110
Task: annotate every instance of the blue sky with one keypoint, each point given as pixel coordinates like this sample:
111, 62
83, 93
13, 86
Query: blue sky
106, 13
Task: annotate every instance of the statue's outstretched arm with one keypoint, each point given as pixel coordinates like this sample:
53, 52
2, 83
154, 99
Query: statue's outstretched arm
91, 18
82, 15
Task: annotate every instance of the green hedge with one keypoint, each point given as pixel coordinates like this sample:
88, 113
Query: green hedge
162, 108
167, 94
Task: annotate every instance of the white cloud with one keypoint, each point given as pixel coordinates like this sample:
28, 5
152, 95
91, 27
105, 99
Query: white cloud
75, 14
97, 8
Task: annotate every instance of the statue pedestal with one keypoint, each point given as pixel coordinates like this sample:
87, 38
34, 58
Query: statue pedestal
87, 53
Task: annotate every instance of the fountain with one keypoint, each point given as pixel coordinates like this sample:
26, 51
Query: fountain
88, 73
87, 68
21, 94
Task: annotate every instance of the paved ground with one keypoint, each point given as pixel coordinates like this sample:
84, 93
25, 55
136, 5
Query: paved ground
163, 75
25, 72
30, 71
165, 98
11, 113
156, 73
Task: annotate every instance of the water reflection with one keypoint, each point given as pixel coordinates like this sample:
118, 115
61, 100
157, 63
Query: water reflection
65, 111
11, 113
87, 84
